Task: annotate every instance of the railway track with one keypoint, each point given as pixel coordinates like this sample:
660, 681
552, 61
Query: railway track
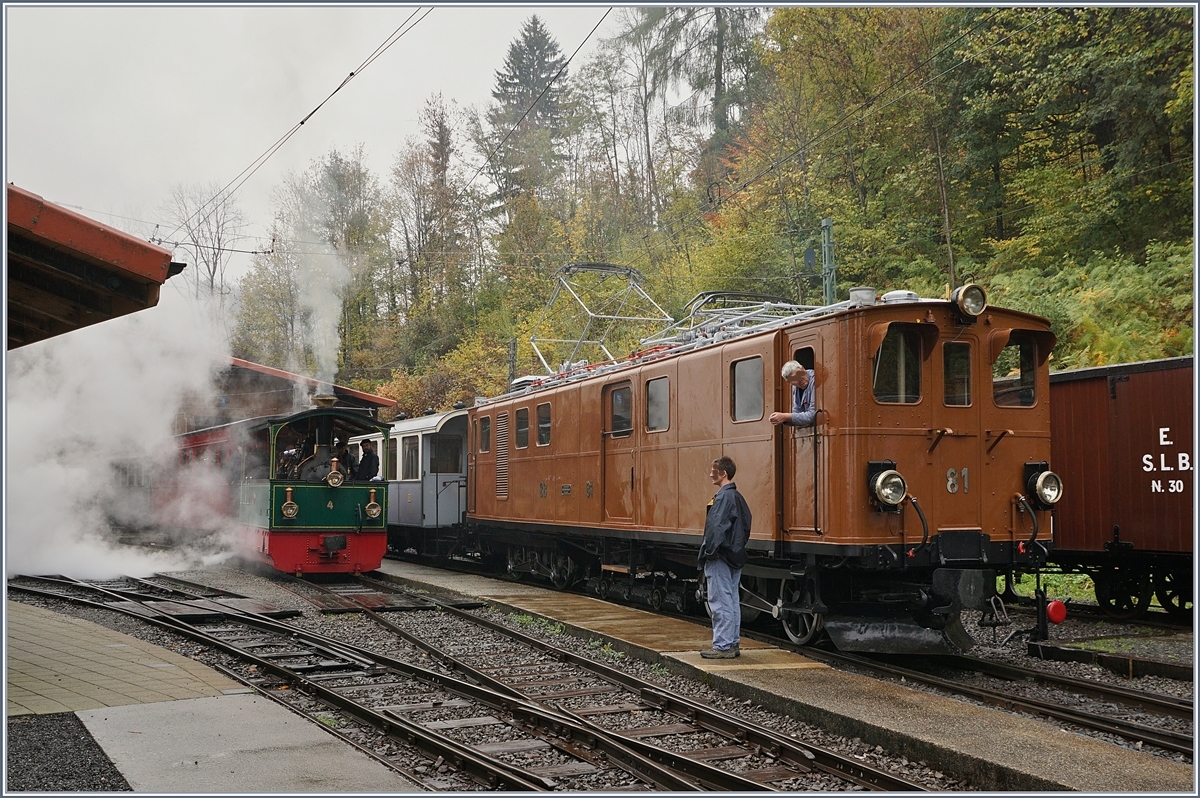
1117, 700
537, 722
570, 683
1110, 703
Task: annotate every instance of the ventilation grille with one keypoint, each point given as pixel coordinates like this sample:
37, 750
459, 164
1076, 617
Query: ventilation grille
502, 456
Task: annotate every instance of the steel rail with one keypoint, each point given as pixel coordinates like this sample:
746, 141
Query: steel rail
1163, 738
486, 769
1165, 704
648, 762
705, 716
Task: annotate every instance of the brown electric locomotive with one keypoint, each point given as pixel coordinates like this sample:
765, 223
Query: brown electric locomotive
926, 473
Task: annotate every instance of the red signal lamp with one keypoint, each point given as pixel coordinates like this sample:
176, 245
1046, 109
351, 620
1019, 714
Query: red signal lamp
1056, 611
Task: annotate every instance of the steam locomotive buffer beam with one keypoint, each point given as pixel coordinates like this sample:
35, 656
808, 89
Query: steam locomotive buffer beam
66, 271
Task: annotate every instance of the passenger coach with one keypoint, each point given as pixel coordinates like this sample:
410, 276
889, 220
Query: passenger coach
926, 473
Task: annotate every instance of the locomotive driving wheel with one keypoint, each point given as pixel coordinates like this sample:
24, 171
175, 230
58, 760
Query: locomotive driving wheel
1123, 592
1173, 589
801, 627
563, 572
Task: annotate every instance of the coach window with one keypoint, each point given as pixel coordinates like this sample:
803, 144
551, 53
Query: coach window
1014, 373
485, 434
543, 411
523, 428
410, 453
391, 457
658, 404
897, 367
747, 385
445, 456
621, 423
956, 373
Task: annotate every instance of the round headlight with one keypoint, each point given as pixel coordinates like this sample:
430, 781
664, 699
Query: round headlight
1047, 487
971, 299
373, 510
889, 488
289, 509
335, 478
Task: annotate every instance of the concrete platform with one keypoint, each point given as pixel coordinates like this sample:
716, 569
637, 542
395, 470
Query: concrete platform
171, 724
993, 749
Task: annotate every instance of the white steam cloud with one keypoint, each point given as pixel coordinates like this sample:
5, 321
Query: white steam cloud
321, 276
82, 403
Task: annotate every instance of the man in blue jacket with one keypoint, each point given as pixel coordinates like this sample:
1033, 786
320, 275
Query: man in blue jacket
722, 555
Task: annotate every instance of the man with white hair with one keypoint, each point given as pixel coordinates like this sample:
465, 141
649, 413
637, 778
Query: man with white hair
802, 380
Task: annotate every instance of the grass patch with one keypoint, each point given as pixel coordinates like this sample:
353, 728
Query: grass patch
545, 624
1076, 587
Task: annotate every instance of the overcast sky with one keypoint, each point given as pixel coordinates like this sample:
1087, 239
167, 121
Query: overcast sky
107, 107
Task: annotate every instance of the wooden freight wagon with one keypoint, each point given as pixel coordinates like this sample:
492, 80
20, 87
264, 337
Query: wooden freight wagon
1122, 442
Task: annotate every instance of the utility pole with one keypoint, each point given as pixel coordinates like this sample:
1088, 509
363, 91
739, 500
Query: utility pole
828, 269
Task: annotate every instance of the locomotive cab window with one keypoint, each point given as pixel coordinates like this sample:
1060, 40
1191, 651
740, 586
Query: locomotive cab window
897, 367
1014, 374
746, 384
410, 457
523, 428
956, 374
485, 434
658, 404
621, 420
543, 415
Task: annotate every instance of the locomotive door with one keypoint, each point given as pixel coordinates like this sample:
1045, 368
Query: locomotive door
952, 442
800, 471
618, 452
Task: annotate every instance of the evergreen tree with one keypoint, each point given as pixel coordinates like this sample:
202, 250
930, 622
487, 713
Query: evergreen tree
522, 133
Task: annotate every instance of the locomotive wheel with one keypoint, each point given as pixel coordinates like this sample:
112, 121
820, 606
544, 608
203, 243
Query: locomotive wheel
1174, 592
751, 584
563, 572
801, 628
1122, 593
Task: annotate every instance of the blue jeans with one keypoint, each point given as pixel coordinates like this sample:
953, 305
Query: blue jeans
724, 602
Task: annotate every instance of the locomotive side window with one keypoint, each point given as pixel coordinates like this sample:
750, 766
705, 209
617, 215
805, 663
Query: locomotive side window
897, 367
1014, 373
523, 428
658, 404
621, 423
410, 449
956, 373
485, 434
543, 411
747, 386
446, 455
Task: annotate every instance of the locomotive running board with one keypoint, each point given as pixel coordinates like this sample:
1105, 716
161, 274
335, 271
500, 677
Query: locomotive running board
897, 636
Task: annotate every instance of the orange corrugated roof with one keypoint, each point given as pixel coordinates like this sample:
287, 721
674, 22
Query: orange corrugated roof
64, 229
287, 375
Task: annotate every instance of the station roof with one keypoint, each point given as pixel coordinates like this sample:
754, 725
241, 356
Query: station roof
347, 396
66, 271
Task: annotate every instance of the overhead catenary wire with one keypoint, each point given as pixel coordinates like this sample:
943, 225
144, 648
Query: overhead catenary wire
234, 185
